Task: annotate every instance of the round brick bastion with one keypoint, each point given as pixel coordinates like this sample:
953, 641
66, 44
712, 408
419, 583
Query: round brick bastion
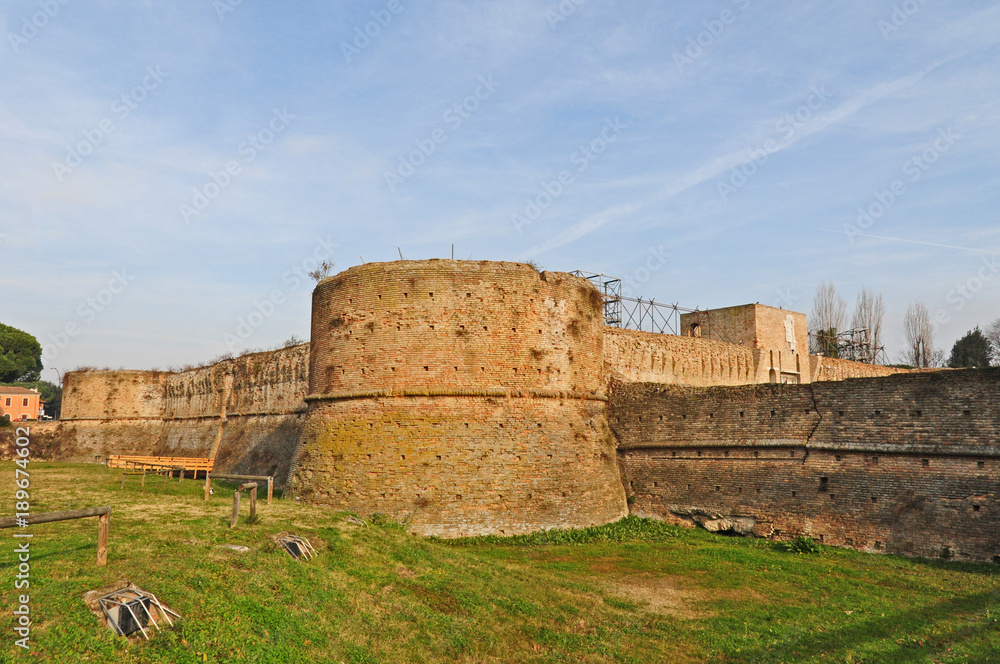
462, 397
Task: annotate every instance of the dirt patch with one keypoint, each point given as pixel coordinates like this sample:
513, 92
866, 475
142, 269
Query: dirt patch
660, 594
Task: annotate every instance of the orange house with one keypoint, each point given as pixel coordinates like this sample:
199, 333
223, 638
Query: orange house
19, 403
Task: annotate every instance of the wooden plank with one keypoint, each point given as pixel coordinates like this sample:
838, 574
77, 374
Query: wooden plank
253, 502
49, 517
103, 527
236, 510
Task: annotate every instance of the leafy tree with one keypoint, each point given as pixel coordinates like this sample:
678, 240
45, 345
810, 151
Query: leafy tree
993, 335
20, 355
971, 351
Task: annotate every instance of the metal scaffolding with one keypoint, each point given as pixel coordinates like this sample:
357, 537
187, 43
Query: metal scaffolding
633, 313
854, 344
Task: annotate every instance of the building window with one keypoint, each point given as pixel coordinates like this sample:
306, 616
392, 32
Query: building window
7, 402
24, 403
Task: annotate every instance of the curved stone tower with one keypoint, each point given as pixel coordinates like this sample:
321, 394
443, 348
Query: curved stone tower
466, 397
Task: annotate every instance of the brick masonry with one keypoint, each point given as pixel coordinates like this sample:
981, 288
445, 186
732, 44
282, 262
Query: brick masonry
905, 464
465, 397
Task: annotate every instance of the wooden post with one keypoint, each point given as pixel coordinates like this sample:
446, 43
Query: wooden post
236, 509
166, 474
253, 502
124, 473
143, 477
181, 473
103, 526
208, 485
270, 488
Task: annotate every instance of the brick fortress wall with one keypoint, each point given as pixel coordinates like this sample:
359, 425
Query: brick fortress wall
252, 406
905, 464
465, 397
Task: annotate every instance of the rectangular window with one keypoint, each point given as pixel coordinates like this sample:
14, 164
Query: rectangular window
24, 403
7, 402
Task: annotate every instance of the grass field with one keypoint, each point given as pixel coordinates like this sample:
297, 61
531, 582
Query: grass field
636, 591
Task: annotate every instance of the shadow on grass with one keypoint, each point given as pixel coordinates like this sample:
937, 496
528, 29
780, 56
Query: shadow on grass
900, 629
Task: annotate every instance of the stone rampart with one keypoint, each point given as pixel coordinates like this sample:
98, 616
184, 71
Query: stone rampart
905, 464
465, 397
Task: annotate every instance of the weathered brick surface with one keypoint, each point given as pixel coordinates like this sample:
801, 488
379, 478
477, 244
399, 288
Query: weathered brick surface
662, 358
906, 464
466, 397
257, 400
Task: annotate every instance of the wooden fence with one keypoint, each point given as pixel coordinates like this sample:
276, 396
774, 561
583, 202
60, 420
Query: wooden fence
133, 462
103, 524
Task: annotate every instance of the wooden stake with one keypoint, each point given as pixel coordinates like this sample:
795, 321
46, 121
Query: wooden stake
253, 502
103, 527
124, 473
208, 485
143, 477
236, 509
270, 488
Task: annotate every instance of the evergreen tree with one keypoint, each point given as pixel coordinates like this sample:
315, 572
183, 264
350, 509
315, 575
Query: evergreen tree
20, 355
971, 351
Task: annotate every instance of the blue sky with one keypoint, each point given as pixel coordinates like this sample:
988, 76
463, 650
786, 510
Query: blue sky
166, 171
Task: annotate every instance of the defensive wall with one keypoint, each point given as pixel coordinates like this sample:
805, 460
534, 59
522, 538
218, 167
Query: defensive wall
248, 412
468, 398
903, 464
486, 397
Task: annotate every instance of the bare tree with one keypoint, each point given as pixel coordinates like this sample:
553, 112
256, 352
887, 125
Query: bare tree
322, 271
993, 336
829, 313
868, 314
919, 335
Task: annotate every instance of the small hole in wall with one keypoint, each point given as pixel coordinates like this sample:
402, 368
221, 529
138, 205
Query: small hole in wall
833, 496
656, 484
673, 454
756, 453
539, 425
975, 508
726, 453
432, 327
917, 413
925, 462
966, 413
466, 425
403, 457
699, 452
874, 499
877, 413
840, 413
711, 415
981, 464
742, 413
458, 497
513, 329
486, 327
837, 457
773, 413
501, 425
404, 295
684, 417
718, 488
468, 295
427, 368
793, 494
640, 418
793, 453
824, 483
431, 294
689, 487
661, 418
439, 457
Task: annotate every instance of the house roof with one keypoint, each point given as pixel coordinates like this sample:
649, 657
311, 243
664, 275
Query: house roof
4, 389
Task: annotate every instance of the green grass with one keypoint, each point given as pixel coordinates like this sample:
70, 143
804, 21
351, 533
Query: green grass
635, 591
